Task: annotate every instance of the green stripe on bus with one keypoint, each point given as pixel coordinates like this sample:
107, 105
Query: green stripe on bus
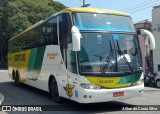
32, 59
130, 78
36, 58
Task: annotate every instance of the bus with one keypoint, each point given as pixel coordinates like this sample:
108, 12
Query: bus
87, 55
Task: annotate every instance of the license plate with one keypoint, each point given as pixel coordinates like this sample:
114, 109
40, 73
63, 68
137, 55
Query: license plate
118, 94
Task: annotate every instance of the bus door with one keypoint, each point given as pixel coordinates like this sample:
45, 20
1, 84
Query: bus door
68, 55
72, 90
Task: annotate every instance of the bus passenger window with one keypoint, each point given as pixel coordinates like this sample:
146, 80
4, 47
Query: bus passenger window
49, 32
54, 36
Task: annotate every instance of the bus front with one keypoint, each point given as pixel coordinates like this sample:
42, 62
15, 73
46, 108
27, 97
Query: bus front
109, 60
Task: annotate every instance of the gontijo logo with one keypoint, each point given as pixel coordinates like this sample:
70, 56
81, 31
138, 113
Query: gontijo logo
52, 55
19, 57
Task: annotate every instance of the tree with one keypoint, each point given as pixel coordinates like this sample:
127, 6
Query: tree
17, 15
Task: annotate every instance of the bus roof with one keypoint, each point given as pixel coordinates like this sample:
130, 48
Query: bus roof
96, 10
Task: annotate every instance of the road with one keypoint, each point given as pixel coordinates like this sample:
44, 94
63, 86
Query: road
27, 95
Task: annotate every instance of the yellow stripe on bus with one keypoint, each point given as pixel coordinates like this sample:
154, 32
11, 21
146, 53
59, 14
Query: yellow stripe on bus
108, 82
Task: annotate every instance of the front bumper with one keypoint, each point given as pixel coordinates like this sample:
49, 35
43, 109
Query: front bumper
104, 95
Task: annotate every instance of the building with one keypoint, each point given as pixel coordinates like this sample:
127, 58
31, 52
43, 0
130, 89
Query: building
156, 33
145, 24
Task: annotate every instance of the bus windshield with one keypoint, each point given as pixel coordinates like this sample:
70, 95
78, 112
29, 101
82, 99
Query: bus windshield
117, 52
99, 21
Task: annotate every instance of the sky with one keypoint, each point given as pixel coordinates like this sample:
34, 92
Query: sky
138, 9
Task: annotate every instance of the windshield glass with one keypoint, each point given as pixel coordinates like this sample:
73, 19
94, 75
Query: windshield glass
115, 52
95, 21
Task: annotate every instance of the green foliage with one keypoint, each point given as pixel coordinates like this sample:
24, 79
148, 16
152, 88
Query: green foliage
17, 15
57, 6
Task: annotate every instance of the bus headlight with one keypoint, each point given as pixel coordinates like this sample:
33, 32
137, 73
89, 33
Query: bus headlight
139, 82
90, 86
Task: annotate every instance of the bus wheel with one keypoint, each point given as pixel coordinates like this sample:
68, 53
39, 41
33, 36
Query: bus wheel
17, 79
54, 91
13, 75
158, 83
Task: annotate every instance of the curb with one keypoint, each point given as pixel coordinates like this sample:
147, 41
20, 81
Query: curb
1, 99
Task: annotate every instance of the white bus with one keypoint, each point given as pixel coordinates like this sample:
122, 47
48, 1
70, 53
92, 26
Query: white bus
86, 55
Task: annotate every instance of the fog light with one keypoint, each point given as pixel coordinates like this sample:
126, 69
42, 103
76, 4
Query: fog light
85, 96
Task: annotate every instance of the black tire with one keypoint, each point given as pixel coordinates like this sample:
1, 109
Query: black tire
158, 83
146, 82
13, 75
16, 80
54, 92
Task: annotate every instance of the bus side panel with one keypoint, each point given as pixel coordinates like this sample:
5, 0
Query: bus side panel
53, 64
35, 63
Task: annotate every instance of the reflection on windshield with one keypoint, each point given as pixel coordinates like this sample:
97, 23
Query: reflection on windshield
101, 49
95, 21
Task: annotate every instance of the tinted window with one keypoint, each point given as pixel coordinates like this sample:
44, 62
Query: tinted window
66, 41
45, 34
96, 21
64, 29
49, 32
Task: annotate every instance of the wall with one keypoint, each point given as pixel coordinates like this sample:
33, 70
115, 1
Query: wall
156, 33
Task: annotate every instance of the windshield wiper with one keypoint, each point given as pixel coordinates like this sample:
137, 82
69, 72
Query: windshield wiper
108, 59
124, 57
110, 55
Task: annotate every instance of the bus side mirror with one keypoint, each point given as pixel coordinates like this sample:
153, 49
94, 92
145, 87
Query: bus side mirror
149, 36
76, 46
